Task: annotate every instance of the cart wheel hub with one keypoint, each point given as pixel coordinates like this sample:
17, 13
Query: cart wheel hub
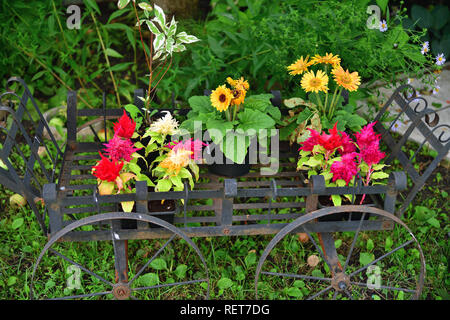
121, 291
340, 281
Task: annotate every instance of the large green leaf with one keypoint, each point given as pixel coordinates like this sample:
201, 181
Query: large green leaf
217, 129
254, 119
200, 104
422, 16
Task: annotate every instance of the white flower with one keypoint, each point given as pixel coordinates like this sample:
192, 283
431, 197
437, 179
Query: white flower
166, 125
425, 47
396, 125
440, 59
436, 89
383, 26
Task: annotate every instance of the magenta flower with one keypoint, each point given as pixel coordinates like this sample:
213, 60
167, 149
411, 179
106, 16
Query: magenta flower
120, 149
366, 136
372, 154
348, 145
309, 143
195, 146
345, 169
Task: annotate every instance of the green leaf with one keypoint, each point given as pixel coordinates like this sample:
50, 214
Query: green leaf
434, 222
11, 281
121, 66
422, 16
294, 292
200, 104
388, 244
224, 283
180, 271
176, 180
365, 258
158, 43
158, 264
379, 175
383, 5
254, 119
17, 223
218, 128
337, 200
160, 16
148, 279
93, 5
122, 3
250, 259
370, 245
152, 27
113, 53
163, 185
317, 273
145, 6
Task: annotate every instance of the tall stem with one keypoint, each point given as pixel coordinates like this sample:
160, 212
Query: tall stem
107, 59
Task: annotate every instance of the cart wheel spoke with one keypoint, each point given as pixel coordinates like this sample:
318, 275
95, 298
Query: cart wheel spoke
299, 276
170, 284
354, 246
81, 267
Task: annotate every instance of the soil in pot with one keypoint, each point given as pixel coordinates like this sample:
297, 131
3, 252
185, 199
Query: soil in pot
325, 201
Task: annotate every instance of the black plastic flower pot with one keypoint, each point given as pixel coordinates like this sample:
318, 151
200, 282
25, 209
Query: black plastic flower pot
325, 201
227, 167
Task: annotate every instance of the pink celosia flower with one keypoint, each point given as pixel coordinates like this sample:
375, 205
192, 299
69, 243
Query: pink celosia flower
195, 146
372, 154
345, 169
348, 145
366, 136
120, 149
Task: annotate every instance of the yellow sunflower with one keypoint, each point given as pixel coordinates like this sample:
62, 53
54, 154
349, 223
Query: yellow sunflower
329, 58
238, 83
315, 82
221, 98
238, 96
345, 79
299, 66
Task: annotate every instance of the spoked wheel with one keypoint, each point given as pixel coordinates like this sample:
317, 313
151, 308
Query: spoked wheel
109, 266
352, 263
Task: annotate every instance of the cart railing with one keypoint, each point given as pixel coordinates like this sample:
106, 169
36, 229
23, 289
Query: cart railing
426, 122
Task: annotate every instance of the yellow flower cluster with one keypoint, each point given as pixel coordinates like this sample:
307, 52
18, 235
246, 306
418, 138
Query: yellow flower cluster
315, 82
223, 97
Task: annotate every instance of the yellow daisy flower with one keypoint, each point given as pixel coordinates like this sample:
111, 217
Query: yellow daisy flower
238, 83
349, 81
221, 98
238, 96
329, 58
315, 82
299, 66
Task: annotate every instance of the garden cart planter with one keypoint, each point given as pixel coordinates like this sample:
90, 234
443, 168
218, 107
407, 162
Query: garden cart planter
85, 232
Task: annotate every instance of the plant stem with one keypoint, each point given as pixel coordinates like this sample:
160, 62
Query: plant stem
319, 101
107, 59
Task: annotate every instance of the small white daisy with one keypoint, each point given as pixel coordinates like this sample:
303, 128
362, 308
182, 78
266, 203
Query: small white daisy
396, 125
440, 59
425, 47
436, 89
383, 26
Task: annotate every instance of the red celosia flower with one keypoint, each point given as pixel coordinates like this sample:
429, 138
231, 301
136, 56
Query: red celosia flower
120, 149
347, 144
125, 127
345, 169
372, 154
313, 140
331, 141
192, 145
106, 169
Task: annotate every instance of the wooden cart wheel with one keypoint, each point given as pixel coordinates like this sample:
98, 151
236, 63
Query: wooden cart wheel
110, 267
359, 264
